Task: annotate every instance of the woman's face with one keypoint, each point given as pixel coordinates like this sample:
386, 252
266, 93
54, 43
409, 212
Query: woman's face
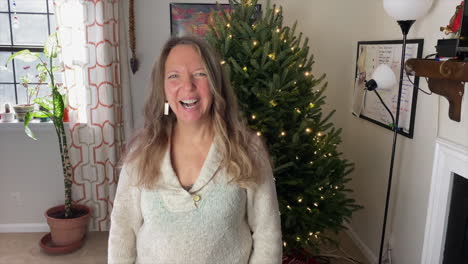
186, 85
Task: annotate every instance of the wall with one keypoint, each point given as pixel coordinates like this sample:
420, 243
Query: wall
334, 27
31, 178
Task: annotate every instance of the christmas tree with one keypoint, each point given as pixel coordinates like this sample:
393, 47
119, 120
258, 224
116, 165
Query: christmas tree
271, 72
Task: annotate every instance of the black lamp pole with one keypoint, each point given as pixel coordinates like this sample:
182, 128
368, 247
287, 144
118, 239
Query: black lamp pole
405, 26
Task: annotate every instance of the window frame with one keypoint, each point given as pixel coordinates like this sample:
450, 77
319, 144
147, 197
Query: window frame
12, 48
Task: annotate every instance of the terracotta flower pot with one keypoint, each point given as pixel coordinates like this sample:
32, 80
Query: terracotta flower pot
68, 231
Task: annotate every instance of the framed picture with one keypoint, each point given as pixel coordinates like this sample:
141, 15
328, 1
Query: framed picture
366, 104
193, 19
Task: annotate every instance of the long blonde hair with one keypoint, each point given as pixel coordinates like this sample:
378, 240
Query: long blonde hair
147, 148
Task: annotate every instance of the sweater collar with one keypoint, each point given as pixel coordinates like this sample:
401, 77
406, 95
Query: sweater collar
210, 167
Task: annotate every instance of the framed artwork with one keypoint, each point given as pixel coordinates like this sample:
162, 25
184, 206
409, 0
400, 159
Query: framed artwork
366, 104
193, 19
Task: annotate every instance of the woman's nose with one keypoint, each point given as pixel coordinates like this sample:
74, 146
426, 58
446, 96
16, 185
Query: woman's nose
187, 83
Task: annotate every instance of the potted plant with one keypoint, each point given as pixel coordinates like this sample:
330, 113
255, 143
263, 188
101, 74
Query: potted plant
68, 222
31, 93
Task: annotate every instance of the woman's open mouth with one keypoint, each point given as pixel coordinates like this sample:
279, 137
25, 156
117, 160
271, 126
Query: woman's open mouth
189, 103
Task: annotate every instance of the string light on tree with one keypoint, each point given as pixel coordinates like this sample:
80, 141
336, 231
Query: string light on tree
282, 88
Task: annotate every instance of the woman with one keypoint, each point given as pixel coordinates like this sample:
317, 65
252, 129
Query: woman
196, 185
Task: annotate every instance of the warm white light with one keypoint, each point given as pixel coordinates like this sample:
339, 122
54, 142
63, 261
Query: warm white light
384, 77
407, 9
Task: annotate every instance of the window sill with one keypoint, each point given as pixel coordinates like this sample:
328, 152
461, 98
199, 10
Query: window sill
34, 125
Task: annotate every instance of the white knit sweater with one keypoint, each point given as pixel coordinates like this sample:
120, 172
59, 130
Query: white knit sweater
227, 225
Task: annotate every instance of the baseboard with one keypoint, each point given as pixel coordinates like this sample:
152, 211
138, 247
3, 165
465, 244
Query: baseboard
24, 228
371, 258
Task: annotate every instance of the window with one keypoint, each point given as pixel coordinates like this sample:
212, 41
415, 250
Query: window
24, 24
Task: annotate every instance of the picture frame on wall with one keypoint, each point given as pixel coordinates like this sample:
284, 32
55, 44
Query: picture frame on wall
194, 19
370, 54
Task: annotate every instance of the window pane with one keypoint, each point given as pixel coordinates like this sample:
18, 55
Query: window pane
32, 30
21, 94
35, 91
25, 68
53, 25
51, 6
45, 91
36, 6
4, 30
6, 74
7, 94
29, 69
3, 5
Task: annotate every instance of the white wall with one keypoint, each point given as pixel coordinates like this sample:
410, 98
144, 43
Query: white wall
31, 178
334, 27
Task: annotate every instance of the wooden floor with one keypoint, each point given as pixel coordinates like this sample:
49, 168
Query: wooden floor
19, 248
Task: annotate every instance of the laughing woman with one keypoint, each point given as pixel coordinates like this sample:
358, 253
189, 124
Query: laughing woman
196, 185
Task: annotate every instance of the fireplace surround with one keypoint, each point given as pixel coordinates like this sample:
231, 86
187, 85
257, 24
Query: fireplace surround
449, 159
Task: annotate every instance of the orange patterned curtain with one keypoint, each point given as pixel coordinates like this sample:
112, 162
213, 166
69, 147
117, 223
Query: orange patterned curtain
89, 36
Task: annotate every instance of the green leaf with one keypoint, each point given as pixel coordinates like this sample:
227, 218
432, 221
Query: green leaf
40, 114
40, 67
45, 103
27, 130
58, 104
23, 55
51, 46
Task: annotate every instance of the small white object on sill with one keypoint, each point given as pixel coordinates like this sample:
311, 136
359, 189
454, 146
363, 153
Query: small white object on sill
7, 117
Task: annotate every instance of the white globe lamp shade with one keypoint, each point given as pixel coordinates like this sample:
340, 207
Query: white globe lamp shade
407, 9
384, 77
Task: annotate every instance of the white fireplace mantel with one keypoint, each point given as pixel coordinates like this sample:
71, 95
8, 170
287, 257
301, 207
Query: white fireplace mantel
449, 159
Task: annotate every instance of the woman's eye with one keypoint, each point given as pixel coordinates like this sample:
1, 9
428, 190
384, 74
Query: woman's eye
200, 74
172, 76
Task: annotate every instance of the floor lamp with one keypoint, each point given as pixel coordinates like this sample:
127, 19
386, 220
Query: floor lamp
405, 12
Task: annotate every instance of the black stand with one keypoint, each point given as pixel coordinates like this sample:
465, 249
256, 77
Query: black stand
405, 27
